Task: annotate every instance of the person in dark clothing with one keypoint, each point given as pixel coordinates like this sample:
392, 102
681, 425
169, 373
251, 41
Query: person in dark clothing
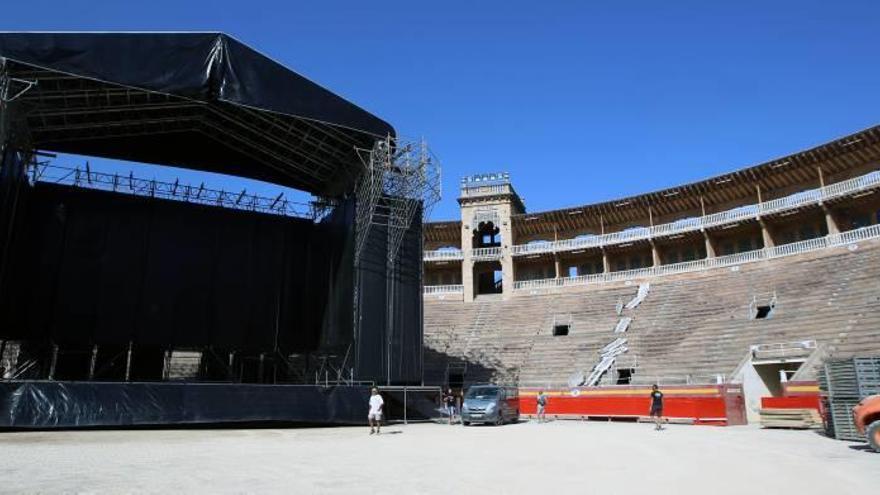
657, 406
449, 402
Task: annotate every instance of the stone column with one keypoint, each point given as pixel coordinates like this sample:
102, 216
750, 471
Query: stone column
508, 276
655, 255
766, 234
830, 221
557, 265
467, 264
710, 245
606, 264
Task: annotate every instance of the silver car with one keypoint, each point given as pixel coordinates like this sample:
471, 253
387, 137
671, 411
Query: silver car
490, 404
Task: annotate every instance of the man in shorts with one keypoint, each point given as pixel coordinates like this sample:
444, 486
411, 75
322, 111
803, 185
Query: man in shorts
375, 414
657, 407
541, 400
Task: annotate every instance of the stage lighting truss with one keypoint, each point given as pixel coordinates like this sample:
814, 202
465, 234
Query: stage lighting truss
129, 184
399, 180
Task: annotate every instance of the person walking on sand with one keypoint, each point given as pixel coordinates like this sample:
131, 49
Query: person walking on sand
449, 402
657, 407
374, 416
541, 400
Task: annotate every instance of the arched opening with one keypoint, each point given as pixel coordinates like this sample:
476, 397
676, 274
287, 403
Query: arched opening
487, 278
486, 235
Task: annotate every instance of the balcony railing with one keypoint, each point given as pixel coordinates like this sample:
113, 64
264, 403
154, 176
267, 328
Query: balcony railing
488, 190
783, 349
482, 254
813, 196
829, 241
443, 255
443, 289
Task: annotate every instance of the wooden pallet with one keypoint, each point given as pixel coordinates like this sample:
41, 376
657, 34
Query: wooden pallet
790, 418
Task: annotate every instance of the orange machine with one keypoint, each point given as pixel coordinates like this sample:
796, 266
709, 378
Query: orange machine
866, 416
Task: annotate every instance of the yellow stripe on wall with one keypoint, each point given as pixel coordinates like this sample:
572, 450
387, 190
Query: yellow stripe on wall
803, 388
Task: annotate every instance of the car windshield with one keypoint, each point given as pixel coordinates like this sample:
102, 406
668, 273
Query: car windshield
482, 393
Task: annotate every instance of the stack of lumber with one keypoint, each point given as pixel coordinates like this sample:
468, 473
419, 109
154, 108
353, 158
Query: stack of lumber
790, 418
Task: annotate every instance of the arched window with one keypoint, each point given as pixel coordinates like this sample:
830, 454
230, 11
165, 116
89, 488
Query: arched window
486, 235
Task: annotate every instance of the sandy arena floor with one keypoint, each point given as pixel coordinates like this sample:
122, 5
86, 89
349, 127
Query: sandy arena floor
555, 458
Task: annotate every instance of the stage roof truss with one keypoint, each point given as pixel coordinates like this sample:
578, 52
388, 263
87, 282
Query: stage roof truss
244, 115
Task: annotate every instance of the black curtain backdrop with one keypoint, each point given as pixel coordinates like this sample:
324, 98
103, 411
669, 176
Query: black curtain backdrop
95, 267
109, 268
406, 330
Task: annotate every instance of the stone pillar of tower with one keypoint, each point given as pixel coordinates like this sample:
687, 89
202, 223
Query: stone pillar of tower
487, 203
766, 234
655, 255
830, 220
710, 245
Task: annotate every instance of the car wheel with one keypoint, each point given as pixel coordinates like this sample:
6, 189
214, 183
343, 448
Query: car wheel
873, 434
500, 420
466, 423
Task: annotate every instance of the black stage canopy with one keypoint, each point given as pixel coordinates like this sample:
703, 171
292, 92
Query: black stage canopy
195, 100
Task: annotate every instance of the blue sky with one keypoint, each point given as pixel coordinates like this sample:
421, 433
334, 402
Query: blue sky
580, 101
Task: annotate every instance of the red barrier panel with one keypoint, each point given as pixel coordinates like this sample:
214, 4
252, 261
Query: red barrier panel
796, 402
709, 404
795, 395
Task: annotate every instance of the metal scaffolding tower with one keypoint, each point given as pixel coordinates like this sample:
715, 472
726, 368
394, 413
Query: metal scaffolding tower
399, 180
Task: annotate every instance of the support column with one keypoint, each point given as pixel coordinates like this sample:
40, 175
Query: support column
557, 265
507, 242
830, 221
467, 264
766, 234
710, 245
93, 361
128, 361
507, 275
467, 277
655, 255
606, 265
54, 362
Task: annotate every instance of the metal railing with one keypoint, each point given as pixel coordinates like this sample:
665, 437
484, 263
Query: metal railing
471, 191
831, 240
809, 197
443, 289
490, 253
783, 349
443, 255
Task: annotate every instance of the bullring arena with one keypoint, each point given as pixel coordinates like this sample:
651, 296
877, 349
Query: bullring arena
168, 337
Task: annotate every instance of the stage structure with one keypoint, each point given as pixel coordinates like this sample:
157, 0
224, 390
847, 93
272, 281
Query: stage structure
126, 300
400, 184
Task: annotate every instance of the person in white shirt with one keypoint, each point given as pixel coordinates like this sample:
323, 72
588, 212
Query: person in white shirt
375, 414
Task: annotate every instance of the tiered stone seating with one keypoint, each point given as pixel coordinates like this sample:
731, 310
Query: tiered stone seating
691, 326
514, 338
700, 325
